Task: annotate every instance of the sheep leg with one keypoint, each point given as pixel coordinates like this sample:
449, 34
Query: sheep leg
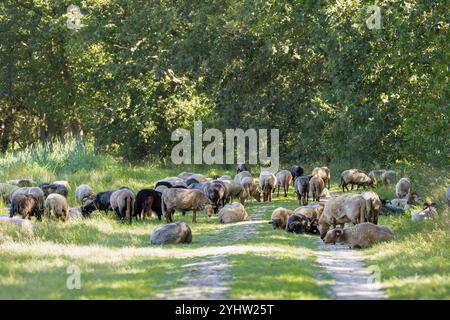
194, 216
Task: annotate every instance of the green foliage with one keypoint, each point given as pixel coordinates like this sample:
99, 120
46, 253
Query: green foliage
137, 70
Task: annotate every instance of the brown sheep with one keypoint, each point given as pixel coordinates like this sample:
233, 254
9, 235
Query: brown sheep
250, 189
172, 233
244, 174
280, 217
324, 173
122, 203
375, 205
233, 190
355, 177
24, 205
56, 207
362, 235
185, 200
347, 208
316, 186
36, 192
403, 188
233, 212
284, 178
313, 211
267, 183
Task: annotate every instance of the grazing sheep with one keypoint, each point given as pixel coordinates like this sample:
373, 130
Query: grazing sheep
323, 173
232, 212
161, 188
185, 175
313, 211
242, 167
54, 188
225, 178
36, 192
172, 182
122, 203
185, 200
284, 178
280, 217
172, 233
347, 208
429, 212
389, 176
355, 177
5, 191
101, 201
316, 186
299, 223
377, 175
250, 189
56, 207
403, 188
375, 206
215, 191
267, 182
296, 171
233, 190
302, 189
147, 201
24, 205
83, 193
244, 174
360, 236
64, 183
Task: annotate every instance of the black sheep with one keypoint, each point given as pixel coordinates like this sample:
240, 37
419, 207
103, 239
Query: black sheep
299, 223
101, 201
296, 172
147, 200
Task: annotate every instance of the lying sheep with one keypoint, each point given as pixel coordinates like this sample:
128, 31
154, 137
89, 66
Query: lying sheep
5, 191
56, 207
74, 213
388, 177
83, 193
215, 191
403, 188
323, 173
24, 205
122, 203
326, 193
355, 177
280, 217
23, 224
267, 183
316, 186
299, 223
22, 183
296, 171
147, 201
36, 192
312, 211
429, 212
233, 212
185, 200
360, 236
250, 189
284, 178
54, 188
403, 203
172, 233
101, 201
301, 185
242, 167
375, 206
387, 209
347, 208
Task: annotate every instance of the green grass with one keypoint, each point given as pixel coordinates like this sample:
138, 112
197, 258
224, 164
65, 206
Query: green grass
116, 260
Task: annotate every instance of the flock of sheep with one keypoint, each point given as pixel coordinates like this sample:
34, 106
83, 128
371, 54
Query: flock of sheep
326, 215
